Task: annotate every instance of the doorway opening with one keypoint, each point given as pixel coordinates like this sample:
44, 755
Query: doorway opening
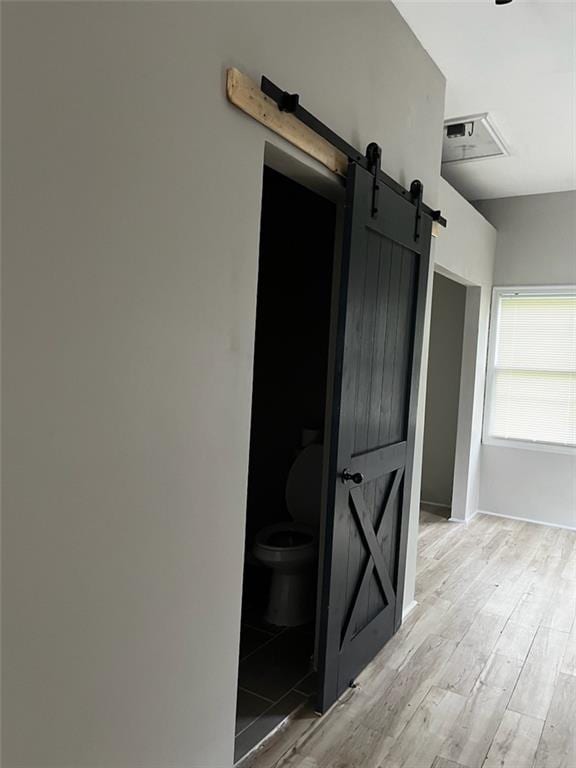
442, 395
293, 319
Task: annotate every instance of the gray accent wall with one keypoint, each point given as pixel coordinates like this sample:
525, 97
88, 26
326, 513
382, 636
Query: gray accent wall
443, 390
536, 246
131, 210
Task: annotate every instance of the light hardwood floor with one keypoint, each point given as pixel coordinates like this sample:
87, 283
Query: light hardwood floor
482, 673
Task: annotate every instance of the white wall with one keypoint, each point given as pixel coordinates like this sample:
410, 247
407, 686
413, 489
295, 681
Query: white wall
536, 246
443, 390
464, 252
131, 211
467, 247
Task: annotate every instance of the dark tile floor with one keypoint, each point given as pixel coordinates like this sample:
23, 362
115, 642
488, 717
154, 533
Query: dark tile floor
275, 678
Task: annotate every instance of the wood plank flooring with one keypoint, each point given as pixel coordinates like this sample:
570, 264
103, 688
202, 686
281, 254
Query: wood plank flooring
482, 673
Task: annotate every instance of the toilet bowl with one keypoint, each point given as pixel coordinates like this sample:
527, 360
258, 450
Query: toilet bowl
290, 548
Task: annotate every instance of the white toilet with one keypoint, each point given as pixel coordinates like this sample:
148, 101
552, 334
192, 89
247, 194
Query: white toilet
290, 548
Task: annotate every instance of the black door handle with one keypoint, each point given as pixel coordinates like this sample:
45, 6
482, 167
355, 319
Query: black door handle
356, 477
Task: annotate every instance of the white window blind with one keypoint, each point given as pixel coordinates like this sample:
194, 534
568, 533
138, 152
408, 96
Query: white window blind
532, 372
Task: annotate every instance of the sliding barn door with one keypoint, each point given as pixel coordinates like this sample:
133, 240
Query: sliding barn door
376, 351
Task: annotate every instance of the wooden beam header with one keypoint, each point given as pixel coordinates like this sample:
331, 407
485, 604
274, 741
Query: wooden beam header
245, 94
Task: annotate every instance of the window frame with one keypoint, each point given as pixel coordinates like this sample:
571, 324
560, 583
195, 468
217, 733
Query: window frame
497, 292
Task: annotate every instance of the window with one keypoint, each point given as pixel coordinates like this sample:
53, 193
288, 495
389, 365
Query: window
531, 384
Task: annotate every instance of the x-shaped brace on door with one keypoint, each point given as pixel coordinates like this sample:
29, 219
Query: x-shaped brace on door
371, 540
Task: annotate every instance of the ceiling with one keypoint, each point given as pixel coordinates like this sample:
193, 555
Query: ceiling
518, 63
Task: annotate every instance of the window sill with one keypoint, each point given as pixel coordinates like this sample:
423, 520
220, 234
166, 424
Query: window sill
497, 442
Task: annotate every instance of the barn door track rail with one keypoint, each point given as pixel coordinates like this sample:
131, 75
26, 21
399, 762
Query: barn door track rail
281, 112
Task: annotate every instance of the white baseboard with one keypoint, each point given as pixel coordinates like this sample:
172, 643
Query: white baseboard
409, 609
468, 519
526, 520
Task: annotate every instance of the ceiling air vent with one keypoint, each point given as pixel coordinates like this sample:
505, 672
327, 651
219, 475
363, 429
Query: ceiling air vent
471, 138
